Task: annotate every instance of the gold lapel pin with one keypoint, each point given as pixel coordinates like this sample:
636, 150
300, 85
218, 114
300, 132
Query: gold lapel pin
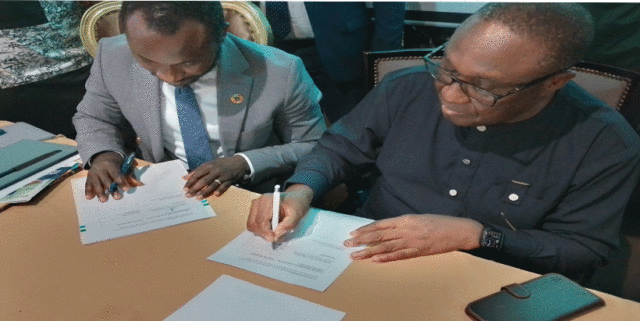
237, 99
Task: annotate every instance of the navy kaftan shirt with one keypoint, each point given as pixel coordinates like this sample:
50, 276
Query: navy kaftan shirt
561, 178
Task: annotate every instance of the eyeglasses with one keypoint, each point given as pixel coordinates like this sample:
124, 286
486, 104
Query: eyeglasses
475, 93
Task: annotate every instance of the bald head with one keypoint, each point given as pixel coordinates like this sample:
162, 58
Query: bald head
563, 30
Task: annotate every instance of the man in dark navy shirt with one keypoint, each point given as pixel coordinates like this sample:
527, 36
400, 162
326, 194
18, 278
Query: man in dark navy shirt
491, 149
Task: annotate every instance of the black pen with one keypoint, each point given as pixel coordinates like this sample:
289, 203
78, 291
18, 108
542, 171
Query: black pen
124, 169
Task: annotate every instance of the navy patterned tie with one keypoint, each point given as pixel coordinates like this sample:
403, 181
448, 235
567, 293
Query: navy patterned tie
194, 134
279, 18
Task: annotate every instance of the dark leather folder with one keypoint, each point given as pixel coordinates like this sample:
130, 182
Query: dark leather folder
27, 157
548, 297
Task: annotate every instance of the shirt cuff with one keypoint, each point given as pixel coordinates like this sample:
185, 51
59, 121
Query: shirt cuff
251, 169
104, 151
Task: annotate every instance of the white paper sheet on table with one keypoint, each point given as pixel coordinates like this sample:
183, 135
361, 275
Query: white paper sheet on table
159, 203
229, 298
313, 256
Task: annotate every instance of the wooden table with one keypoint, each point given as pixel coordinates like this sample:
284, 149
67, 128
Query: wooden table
47, 274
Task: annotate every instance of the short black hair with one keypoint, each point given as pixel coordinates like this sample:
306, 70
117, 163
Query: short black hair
565, 29
165, 17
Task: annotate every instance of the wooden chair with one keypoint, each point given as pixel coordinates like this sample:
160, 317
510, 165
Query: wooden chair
248, 22
618, 88
245, 20
99, 21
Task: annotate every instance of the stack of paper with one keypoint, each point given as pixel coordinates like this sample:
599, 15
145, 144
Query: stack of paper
28, 165
24, 190
27, 157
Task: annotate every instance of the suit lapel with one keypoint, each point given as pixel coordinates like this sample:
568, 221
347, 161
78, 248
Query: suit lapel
146, 93
234, 89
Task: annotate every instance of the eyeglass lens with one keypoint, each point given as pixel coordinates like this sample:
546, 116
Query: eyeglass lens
473, 92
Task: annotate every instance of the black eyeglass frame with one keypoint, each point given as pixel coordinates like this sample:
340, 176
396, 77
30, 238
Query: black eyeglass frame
427, 61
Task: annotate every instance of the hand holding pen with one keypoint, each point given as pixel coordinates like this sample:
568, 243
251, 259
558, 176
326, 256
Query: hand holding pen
266, 221
106, 169
124, 169
275, 218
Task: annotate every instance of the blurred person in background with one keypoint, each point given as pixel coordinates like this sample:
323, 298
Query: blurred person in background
330, 37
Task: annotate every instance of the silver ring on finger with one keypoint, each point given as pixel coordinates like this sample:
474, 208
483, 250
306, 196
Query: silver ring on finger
218, 181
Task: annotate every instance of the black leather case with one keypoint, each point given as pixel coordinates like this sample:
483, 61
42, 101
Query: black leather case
548, 297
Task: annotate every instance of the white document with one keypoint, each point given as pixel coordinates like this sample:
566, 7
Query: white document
313, 256
159, 203
229, 298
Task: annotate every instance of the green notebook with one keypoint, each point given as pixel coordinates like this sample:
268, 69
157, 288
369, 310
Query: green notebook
27, 157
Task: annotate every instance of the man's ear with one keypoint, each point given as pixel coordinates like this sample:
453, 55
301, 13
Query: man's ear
560, 80
223, 33
224, 30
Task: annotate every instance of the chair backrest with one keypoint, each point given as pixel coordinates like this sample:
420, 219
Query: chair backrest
99, 21
248, 22
618, 88
245, 20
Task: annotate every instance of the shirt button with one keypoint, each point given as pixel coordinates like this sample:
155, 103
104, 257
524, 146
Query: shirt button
453, 192
482, 128
514, 197
466, 161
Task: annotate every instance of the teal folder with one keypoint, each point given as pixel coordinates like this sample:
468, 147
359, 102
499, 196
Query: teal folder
27, 157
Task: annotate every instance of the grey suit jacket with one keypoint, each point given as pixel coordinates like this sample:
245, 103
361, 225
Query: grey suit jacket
278, 122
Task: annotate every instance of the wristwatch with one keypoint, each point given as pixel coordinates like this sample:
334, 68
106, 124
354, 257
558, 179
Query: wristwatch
491, 238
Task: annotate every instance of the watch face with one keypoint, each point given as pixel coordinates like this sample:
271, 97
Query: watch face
491, 242
492, 239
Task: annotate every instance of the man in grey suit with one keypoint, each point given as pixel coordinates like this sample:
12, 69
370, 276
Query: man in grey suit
257, 105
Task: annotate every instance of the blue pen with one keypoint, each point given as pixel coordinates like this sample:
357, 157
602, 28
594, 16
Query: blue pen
124, 169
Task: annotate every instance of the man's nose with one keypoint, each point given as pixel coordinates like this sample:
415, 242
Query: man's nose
453, 93
169, 74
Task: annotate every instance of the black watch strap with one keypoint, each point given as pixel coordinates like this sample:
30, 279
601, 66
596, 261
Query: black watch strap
491, 238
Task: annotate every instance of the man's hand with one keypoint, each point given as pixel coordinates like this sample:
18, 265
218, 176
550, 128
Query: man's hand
105, 169
413, 235
215, 176
294, 205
